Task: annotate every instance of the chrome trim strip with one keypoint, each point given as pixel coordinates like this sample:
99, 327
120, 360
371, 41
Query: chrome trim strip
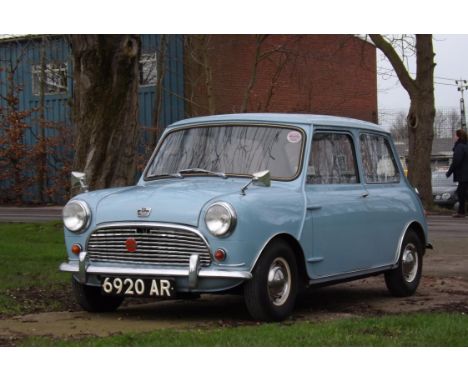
314, 259
348, 275
204, 273
219, 265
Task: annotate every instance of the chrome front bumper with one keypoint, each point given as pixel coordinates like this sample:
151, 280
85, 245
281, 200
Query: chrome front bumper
82, 268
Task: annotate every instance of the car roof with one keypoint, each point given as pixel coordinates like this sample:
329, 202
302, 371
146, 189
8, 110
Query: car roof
286, 118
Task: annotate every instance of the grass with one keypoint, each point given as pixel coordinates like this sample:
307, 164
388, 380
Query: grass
30, 281
29, 258
428, 329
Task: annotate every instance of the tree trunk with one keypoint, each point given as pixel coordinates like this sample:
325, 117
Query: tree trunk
421, 120
422, 110
105, 108
420, 139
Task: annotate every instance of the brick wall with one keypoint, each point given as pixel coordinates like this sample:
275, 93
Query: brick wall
320, 74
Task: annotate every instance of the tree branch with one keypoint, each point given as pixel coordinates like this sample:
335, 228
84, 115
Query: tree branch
405, 79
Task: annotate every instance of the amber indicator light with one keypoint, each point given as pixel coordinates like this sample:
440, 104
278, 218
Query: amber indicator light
220, 254
76, 249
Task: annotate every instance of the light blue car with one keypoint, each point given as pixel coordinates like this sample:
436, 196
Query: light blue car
268, 204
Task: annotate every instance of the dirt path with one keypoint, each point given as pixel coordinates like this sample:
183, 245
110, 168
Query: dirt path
444, 287
359, 298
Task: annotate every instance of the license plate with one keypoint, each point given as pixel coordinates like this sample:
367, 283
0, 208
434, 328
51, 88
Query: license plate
129, 286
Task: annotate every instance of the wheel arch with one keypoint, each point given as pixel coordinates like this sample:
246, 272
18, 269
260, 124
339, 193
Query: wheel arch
417, 227
419, 230
298, 251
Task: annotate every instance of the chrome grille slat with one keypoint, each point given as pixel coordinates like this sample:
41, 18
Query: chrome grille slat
143, 234
181, 259
143, 250
146, 242
140, 255
155, 245
120, 260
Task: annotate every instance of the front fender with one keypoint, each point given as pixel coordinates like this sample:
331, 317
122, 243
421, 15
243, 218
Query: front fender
262, 214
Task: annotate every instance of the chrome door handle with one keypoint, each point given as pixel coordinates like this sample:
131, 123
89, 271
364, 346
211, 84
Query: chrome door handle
365, 194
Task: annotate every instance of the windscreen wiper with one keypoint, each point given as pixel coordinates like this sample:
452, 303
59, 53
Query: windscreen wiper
202, 170
174, 175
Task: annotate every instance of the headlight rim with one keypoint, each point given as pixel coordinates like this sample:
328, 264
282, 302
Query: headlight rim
446, 196
87, 210
232, 214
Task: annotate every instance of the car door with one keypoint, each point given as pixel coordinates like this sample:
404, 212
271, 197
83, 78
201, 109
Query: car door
388, 198
335, 235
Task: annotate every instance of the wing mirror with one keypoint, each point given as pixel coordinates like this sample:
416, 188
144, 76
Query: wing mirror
78, 179
261, 178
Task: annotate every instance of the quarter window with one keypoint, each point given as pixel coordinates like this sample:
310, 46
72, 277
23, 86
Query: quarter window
378, 160
332, 160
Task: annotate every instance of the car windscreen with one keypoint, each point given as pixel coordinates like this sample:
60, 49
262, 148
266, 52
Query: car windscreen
233, 150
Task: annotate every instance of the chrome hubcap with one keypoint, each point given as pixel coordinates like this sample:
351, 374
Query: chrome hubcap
410, 262
279, 281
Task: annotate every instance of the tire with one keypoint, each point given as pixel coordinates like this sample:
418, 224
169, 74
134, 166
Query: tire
404, 280
267, 300
91, 299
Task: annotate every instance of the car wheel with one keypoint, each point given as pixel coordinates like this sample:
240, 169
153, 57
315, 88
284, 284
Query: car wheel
404, 280
91, 299
271, 293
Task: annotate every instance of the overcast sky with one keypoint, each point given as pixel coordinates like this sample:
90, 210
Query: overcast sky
452, 63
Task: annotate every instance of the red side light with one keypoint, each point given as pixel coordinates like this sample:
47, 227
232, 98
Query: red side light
220, 254
76, 249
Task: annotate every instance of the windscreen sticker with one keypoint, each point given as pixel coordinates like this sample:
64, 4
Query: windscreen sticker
294, 137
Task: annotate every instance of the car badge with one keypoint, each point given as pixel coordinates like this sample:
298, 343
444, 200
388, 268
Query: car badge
144, 212
131, 244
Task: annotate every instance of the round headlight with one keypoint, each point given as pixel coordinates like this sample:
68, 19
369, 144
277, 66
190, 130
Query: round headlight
76, 215
220, 219
446, 196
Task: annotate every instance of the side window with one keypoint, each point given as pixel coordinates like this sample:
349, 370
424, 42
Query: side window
54, 81
378, 160
332, 160
148, 69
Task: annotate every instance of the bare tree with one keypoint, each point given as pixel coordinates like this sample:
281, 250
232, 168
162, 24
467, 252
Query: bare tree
278, 55
198, 75
158, 97
399, 128
420, 119
105, 107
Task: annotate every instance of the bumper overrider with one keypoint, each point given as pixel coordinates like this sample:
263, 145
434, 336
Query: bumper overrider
83, 267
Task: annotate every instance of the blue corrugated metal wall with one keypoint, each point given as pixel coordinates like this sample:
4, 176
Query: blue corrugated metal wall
25, 52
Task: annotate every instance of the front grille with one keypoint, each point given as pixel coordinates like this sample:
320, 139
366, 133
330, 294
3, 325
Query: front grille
162, 245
